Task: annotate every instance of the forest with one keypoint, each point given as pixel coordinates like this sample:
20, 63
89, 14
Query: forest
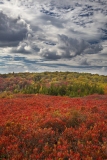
70, 84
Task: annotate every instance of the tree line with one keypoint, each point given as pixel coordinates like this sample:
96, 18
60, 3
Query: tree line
76, 90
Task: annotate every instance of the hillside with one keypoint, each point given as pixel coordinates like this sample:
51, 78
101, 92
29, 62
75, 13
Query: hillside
36, 126
71, 84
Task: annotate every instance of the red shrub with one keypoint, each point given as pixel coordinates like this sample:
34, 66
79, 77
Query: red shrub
48, 127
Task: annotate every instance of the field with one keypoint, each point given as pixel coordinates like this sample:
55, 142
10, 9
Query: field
43, 127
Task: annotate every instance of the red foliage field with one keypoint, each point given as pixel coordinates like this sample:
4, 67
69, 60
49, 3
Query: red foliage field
40, 127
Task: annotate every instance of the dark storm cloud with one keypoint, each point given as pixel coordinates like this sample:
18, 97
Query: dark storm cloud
73, 47
50, 55
12, 30
25, 48
69, 48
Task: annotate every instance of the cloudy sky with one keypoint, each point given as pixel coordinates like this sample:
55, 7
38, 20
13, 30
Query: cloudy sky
53, 35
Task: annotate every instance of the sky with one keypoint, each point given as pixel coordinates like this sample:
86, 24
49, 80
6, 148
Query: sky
53, 35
